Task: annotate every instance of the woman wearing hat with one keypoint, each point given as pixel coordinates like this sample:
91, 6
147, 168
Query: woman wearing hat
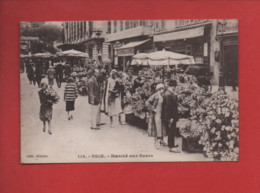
47, 98
70, 95
113, 97
51, 75
156, 128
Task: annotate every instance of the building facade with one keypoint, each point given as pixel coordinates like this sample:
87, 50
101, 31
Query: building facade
85, 36
119, 40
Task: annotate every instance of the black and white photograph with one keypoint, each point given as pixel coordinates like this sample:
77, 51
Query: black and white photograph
129, 91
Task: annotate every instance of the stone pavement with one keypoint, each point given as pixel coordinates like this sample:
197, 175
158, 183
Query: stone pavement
74, 141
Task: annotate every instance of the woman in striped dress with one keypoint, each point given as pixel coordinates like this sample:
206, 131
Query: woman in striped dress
70, 95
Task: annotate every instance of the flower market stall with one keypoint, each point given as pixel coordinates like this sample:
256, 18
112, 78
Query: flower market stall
208, 121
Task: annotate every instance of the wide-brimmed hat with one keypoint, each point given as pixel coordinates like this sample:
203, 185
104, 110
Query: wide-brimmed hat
159, 86
113, 72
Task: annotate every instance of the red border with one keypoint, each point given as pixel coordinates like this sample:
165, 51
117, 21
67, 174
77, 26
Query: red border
242, 176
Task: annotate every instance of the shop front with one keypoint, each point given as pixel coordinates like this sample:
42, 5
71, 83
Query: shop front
230, 60
191, 41
227, 36
123, 54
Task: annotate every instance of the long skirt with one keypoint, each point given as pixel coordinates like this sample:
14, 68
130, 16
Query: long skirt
156, 128
45, 113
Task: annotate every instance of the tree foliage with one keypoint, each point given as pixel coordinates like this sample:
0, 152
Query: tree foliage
47, 34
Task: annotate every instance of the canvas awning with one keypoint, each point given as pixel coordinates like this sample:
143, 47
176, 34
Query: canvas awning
128, 49
184, 34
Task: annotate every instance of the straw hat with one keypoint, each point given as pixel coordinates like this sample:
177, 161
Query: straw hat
113, 72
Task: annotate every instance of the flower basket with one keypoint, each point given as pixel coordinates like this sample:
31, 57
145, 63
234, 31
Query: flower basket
191, 145
134, 120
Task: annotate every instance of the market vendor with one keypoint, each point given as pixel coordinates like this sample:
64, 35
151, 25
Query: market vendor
156, 128
138, 82
156, 80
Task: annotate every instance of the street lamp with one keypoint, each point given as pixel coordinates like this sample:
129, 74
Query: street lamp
222, 28
98, 34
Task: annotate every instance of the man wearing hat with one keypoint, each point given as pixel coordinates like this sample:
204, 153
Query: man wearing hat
51, 75
94, 98
170, 115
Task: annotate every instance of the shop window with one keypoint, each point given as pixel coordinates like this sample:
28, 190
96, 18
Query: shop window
198, 60
109, 51
167, 48
188, 50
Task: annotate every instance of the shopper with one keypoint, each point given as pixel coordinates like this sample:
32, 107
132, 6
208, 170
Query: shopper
47, 98
156, 127
94, 98
59, 74
113, 95
30, 73
70, 95
39, 74
170, 115
51, 75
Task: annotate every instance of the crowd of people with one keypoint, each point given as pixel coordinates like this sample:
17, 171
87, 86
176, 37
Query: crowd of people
106, 93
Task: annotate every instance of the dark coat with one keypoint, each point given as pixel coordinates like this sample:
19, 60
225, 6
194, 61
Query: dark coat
169, 107
94, 91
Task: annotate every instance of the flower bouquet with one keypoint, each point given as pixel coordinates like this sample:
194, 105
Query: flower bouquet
52, 95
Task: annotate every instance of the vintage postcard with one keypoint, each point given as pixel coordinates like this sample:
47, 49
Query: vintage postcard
129, 91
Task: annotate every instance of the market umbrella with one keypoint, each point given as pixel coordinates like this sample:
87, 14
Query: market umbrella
42, 55
169, 58
73, 53
25, 56
140, 59
165, 58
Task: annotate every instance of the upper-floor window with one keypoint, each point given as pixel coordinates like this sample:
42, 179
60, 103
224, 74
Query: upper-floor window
135, 23
157, 25
115, 26
121, 25
109, 27
131, 24
127, 25
142, 22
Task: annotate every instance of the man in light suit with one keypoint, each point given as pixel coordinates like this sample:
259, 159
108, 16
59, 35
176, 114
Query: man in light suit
94, 99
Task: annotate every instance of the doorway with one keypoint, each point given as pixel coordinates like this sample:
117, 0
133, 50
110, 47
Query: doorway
231, 64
